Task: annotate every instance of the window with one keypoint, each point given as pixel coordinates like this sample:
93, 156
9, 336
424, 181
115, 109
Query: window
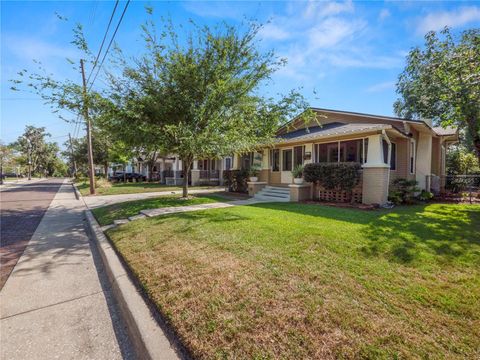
385, 151
393, 157
351, 151
228, 163
412, 156
298, 155
247, 160
342, 151
287, 160
275, 159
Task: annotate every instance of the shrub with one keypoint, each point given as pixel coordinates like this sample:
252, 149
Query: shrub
297, 171
254, 170
403, 191
236, 180
425, 195
333, 176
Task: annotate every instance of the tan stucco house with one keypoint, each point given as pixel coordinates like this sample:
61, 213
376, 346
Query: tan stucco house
386, 147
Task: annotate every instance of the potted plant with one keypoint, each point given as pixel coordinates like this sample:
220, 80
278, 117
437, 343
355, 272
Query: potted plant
253, 172
297, 174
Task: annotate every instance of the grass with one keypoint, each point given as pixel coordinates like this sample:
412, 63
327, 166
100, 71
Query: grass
129, 188
297, 281
106, 214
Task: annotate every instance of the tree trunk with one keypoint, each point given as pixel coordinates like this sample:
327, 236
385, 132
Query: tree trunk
105, 168
476, 144
187, 164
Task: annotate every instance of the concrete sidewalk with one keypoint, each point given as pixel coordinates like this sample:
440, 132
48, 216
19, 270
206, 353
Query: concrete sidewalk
103, 200
55, 304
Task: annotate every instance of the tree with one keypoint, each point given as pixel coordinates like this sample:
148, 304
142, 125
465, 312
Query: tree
202, 95
64, 95
442, 82
461, 162
42, 156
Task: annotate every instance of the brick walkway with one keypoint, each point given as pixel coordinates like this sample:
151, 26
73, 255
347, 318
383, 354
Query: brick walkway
22, 209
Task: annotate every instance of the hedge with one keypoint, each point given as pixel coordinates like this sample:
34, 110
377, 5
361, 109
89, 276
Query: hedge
333, 176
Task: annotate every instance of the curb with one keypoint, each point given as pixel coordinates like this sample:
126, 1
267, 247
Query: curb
77, 192
148, 338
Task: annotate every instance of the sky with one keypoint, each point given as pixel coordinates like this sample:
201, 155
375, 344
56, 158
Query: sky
340, 55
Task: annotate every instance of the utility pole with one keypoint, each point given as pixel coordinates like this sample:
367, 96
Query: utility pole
91, 170
74, 163
29, 151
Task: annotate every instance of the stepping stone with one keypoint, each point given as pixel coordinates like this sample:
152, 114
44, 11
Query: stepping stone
120, 221
108, 227
137, 217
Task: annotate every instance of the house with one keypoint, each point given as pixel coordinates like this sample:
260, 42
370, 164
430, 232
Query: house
386, 147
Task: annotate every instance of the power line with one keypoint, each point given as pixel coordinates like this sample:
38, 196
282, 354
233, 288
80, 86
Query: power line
110, 44
103, 41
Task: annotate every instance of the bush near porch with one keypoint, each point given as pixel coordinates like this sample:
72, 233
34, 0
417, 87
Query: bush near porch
299, 281
340, 182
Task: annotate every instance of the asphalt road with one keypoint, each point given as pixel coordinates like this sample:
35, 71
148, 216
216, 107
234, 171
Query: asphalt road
22, 209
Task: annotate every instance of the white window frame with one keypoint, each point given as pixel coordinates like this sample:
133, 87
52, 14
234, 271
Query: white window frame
338, 145
281, 158
413, 145
396, 155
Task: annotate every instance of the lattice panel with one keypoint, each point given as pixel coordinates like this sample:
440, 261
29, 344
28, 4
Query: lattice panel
339, 196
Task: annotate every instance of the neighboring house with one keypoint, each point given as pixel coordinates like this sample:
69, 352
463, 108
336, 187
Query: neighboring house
387, 147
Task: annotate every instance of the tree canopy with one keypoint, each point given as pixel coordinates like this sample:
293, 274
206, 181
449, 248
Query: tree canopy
442, 82
202, 95
43, 155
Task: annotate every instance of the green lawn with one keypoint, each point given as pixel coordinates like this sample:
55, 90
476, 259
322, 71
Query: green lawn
296, 281
129, 188
106, 214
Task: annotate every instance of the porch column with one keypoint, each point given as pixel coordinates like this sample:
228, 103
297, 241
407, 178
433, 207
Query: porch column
236, 162
423, 162
195, 174
375, 173
221, 167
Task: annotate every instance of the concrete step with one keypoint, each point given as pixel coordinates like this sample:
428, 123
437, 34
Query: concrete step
271, 198
277, 188
276, 195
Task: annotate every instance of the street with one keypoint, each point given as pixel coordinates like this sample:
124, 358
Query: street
55, 301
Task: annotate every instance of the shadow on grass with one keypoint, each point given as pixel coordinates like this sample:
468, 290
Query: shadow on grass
403, 234
406, 233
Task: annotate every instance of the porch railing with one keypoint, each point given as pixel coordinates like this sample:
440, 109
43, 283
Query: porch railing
209, 174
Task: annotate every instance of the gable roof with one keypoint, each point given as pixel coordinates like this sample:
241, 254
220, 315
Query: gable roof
364, 115
330, 130
445, 131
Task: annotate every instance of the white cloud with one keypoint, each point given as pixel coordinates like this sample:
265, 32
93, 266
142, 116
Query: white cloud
387, 85
333, 31
316, 9
438, 20
30, 48
384, 14
274, 32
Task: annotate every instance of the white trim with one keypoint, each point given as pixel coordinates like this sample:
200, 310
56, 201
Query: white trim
314, 157
414, 156
281, 158
396, 156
